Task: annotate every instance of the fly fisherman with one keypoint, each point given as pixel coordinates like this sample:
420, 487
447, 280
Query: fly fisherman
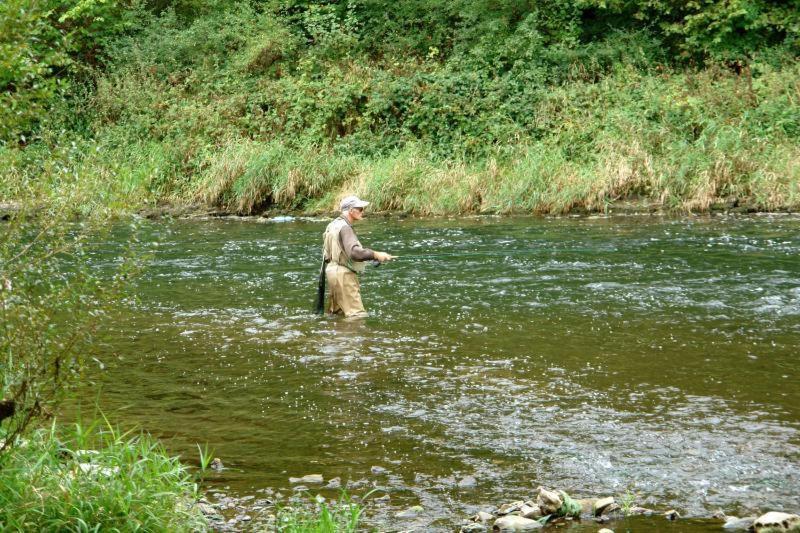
345, 259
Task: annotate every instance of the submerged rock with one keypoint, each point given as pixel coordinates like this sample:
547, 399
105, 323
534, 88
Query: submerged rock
733, 523
467, 482
483, 517
216, 464
515, 523
774, 521
334, 483
310, 478
473, 528
411, 512
377, 470
508, 508
672, 514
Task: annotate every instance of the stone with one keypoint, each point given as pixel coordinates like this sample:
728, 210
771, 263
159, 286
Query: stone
473, 528
530, 511
548, 502
384, 498
634, 511
601, 504
615, 510
377, 470
672, 514
508, 508
310, 478
482, 517
587, 506
216, 464
411, 512
207, 509
515, 523
467, 482
606, 530
775, 521
734, 523
334, 483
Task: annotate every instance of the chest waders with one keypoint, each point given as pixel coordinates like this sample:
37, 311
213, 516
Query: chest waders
332, 253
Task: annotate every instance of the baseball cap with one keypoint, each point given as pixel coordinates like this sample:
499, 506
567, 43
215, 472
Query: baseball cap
350, 202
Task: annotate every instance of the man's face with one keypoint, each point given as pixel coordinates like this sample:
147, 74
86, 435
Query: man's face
356, 213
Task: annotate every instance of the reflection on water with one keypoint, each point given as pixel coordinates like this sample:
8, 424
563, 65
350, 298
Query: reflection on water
597, 355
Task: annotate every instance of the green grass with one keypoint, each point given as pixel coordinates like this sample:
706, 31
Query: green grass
342, 516
127, 483
238, 109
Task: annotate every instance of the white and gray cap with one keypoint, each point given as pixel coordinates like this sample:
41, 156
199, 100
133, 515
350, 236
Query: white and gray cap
349, 202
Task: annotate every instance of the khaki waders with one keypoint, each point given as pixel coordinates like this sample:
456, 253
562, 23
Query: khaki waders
341, 274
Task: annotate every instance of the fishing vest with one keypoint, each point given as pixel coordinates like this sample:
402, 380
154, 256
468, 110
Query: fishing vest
332, 247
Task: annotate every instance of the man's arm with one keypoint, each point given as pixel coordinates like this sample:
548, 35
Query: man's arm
352, 248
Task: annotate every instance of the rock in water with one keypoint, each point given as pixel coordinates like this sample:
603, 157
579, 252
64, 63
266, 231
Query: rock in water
482, 517
672, 514
310, 478
507, 508
774, 521
516, 523
467, 482
473, 528
601, 504
548, 502
734, 523
411, 512
216, 464
530, 511
606, 530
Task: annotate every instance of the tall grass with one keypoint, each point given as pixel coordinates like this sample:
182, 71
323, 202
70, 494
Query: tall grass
94, 477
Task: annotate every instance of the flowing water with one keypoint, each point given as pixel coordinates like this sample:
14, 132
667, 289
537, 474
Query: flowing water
600, 356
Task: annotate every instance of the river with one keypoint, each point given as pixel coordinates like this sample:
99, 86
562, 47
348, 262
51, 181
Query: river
649, 355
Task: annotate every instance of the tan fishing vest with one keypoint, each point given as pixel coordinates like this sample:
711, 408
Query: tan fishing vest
332, 248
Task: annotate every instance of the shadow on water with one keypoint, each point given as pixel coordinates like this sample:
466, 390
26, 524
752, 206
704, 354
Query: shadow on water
599, 356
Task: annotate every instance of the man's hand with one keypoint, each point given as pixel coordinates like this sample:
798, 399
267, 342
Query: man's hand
383, 257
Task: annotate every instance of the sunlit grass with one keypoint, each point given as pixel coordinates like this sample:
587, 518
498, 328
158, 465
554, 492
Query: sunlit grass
88, 477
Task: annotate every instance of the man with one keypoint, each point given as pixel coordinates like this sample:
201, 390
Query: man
346, 258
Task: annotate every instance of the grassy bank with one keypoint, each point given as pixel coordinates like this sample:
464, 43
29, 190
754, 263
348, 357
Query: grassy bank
85, 477
471, 109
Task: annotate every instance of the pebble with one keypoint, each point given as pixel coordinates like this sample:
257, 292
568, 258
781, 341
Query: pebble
411, 512
672, 514
601, 504
377, 470
482, 516
310, 478
734, 523
516, 523
467, 482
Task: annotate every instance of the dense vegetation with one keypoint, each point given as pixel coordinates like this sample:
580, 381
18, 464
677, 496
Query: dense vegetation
429, 107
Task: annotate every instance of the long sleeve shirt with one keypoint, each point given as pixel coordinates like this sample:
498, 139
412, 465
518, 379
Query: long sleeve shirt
352, 247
